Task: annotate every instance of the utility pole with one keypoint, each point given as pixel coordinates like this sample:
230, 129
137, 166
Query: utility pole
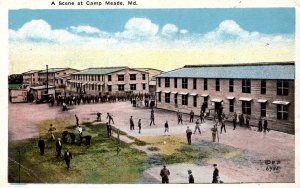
19, 166
47, 80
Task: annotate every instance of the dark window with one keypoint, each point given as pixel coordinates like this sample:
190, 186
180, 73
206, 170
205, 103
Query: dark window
217, 84
231, 85
195, 83
195, 101
159, 82
175, 82
246, 86
98, 77
231, 105
282, 112
92, 77
109, 88
167, 97
109, 78
246, 107
61, 82
159, 96
132, 87
283, 87
121, 87
99, 88
263, 109
120, 77
184, 83
205, 84
144, 76
132, 76
205, 101
184, 99
167, 82
263, 87
175, 98
144, 86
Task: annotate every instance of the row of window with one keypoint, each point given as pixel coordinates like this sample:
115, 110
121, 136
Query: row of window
109, 87
282, 110
101, 77
282, 85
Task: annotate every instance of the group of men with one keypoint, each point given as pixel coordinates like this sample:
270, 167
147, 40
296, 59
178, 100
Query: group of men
165, 173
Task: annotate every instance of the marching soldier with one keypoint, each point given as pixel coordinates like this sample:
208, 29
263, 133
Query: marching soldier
67, 158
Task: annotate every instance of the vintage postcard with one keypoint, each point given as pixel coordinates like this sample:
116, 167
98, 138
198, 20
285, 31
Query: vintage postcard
122, 93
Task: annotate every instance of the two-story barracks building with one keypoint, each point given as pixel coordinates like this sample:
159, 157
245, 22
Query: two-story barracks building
259, 89
96, 81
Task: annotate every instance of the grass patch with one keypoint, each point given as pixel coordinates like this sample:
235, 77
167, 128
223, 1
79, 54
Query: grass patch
98, 163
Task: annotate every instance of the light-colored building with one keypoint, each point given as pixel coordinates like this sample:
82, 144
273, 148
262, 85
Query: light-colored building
97, 81
31, 77
54, 73
152, 81
39, 92
258, 90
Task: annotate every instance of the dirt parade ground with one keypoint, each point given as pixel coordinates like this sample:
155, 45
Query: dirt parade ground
250, 156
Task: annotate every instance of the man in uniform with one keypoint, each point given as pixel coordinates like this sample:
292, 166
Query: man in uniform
77, 120
51, 129
109, 116
260, 125
41, 145
214, 133
131, 123
189, 135
58, 147
166, 127
152, 117
164, 173
223, 126
215, 174
67, 158
234, 120
191, 177
139, 125
108, 128
197, 127
265, 125
99, 116
192, 116
179, 116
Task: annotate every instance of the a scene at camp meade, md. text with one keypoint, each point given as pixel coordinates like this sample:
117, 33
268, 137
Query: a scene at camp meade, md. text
151, 96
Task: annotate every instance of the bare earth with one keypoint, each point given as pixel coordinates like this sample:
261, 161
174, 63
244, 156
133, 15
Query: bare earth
257, 147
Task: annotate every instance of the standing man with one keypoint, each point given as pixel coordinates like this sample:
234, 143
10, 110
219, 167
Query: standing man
223, 126
189, 135
109, 116
247, 121
41, 145
179, 116
214, 133
108, 128
152, 117
79, 129
260, 125
215, 174
58, 147
164, 173
140, 125
197, 127
77, 120
51, 129
67, 158
265, 125
131, 123
234, 120
202, 117
166, 127
191, 177
192, 116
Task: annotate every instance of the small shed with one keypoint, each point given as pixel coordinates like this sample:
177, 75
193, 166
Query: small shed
39, 92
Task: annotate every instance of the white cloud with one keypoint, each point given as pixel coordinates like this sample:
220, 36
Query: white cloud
183, 31
138, 27
169, 29
84, 29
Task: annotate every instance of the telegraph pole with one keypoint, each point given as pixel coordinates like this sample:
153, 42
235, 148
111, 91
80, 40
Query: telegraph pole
19, 165
47, 81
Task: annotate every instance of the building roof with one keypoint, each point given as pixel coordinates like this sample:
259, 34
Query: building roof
102, 70
54, 70
148, 69
41, 87
31, 71
280, 70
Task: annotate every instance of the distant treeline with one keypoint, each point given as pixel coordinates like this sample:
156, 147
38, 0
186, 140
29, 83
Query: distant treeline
15, 79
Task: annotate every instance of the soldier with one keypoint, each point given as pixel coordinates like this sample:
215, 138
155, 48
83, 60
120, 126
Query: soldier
51, 130
166, 127
131, 123
64, 107
164, 173
108, 128
77, 120
179, 116
202, 117
248, 121
109, 116
265, 125
192, 116
215, 174
189, 135
214, 133
234, 120
260, 125
41, 145
99, 116
223, 126
152, 117
140, 125
191, 177
58, 147
197, 127
67, 158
